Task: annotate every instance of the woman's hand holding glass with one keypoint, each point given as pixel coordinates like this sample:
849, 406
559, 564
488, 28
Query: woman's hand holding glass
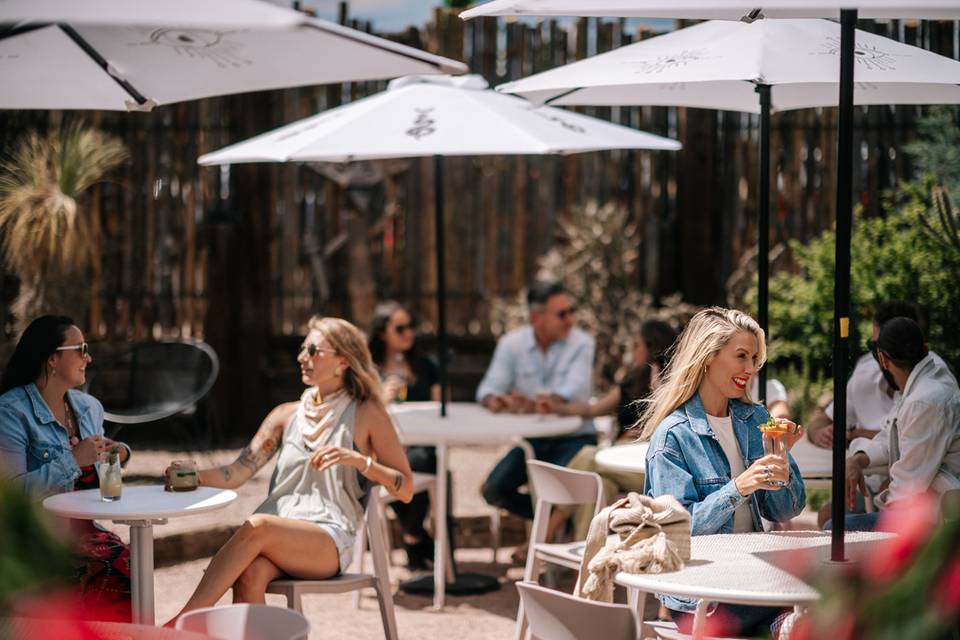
86, 451
764, 474
395, 388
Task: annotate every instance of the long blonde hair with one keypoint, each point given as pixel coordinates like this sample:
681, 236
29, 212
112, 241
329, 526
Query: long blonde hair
705, 335
361, 379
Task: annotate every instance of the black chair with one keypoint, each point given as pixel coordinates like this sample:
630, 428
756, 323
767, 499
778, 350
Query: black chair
151, 381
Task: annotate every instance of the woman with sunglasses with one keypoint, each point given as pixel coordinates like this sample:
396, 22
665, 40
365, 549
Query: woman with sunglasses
407, 376
50, 437
334, 443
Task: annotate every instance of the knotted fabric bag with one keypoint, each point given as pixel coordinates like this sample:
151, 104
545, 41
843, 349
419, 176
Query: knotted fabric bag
653, 536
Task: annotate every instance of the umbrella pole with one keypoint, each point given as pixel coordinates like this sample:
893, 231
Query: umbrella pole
441, 280
841, 293
763, 228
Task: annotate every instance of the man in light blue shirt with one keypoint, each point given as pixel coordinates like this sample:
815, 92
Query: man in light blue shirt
548, 357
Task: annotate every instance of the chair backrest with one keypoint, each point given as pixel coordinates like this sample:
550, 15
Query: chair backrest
163, 378
559, 485
553, 615
246, 622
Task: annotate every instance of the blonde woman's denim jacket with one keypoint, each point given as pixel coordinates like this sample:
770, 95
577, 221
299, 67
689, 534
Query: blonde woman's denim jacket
685, 460
34, 448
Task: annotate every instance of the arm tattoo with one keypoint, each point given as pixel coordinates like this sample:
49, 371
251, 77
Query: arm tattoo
258, 453
226, 473
397, 481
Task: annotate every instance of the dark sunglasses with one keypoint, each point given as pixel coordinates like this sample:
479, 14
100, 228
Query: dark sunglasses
563, 313
313, 349
83, 348
402, 328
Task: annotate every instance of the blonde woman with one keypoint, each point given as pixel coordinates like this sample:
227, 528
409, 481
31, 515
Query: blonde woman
706, 448
333, 443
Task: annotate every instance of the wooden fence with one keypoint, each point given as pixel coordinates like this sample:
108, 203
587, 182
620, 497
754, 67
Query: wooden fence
244, 255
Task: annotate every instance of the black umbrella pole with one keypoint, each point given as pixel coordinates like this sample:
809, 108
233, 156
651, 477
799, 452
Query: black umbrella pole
763, 230
441, 281
841, 293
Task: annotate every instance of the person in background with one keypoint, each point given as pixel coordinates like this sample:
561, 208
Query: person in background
334, 443
50, 437
920, 442
706, 448
871, 396
649, 357
548, 360
407, 375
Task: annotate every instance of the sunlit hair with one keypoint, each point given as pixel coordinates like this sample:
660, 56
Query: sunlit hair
705, 335
360, 379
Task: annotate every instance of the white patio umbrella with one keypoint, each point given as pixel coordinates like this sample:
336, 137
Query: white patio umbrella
436, 116
137, 54
757, 67
848, 11
718, 9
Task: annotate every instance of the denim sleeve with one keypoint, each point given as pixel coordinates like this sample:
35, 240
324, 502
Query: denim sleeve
667, 473
55, 476
499, 378
577, 382
783, 504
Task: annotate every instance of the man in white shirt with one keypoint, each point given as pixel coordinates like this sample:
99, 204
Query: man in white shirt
870, 396
921, 441
547, 359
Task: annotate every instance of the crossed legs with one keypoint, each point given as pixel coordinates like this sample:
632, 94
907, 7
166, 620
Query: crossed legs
262, 549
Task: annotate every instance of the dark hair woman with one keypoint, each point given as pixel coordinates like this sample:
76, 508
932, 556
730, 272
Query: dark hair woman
50, 437
407, 376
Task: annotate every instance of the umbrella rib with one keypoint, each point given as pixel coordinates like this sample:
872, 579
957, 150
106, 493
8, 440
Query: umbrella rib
10, 31
562, 95
96, 57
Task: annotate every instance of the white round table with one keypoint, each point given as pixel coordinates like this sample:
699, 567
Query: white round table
816, 464
624, 458
748, 569
140, 507
465, 423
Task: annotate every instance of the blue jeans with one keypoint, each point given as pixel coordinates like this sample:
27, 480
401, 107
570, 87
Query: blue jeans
856, 522
501, 488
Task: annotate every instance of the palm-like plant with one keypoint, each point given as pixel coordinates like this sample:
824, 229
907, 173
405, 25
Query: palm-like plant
48, 239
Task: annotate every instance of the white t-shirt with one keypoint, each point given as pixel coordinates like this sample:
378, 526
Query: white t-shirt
776, 392
723, 428
868, 401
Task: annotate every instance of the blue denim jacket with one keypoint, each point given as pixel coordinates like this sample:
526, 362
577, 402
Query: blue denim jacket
685, 460
34, 448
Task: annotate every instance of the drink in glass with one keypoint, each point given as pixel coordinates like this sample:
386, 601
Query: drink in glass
182, 475
109, 473
773, 442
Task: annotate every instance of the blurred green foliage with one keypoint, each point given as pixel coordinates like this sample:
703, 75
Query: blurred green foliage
32, 559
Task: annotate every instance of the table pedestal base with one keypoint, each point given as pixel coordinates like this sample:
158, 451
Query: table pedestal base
141, 569
465, 584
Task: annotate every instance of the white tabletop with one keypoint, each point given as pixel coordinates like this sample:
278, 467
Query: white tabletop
148, 502
816, 462
750, 568
471, 423
626, 458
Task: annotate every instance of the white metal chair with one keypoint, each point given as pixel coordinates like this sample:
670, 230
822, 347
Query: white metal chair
555, 485
294, 589
246, 622
558, 616
421, 482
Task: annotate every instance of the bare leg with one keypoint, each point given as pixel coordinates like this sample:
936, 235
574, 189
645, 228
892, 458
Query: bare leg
251, 586
301, 549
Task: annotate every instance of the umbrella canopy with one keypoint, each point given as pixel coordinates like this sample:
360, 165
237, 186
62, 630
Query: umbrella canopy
223, 14
175, 51
435, 115
717, 65
721, 10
